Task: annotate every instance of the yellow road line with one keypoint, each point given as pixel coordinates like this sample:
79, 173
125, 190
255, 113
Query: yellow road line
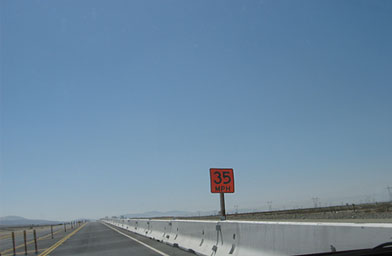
5, 236
23, 253
50, 249
30, 242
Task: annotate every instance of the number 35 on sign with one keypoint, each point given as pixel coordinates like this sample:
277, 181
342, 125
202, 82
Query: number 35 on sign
222, 180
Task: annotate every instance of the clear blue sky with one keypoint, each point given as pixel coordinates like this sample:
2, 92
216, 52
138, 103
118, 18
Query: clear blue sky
113, 107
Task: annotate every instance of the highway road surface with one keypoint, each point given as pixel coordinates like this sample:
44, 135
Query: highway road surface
96, 238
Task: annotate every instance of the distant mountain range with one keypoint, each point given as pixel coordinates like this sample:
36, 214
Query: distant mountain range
168, 214
20, 221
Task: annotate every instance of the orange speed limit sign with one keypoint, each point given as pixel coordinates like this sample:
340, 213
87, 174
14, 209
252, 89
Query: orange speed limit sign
222, 180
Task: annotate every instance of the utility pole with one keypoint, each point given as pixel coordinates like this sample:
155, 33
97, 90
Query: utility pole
390, 193
315, 201
269, 206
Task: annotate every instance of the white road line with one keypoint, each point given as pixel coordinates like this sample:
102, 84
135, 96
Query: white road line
140, 242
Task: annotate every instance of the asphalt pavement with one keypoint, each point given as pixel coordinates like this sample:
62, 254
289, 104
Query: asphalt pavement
97, 238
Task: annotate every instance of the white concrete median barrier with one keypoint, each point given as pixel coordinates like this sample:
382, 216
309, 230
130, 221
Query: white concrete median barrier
259, 238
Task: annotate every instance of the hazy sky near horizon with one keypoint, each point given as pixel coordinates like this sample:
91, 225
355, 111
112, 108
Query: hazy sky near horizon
114, 107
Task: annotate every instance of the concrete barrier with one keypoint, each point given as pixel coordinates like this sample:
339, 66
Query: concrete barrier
216, 238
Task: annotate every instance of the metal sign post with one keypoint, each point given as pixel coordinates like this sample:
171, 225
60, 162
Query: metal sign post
222, 204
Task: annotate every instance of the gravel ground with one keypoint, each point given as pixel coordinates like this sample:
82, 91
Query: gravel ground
364, 213
6, 231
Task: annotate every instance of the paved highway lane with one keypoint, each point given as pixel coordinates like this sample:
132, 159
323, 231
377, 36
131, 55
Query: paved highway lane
97, 238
